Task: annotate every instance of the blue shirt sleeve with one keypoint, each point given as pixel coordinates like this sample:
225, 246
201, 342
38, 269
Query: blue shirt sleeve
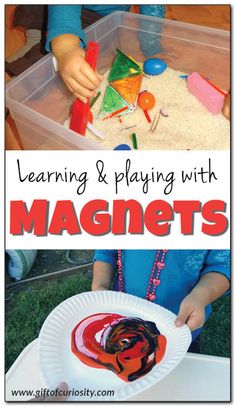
217, 261
67, 19
109, 256
64, 20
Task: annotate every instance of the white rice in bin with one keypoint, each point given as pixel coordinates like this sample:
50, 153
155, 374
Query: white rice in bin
189, 124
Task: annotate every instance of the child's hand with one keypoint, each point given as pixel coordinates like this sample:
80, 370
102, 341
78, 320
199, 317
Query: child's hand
95, 288
192, 309
80, 78
192, 312
60, 394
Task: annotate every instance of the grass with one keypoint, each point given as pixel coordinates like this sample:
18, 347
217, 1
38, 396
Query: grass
216, 336
29, 308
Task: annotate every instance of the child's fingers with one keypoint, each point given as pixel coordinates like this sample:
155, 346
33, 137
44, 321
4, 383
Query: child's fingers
62, 390
87, 71
195, 321
69, 87
77, 88
181, 319
83, 99
61, 393
101, 77
85, 82
78, 95
184, 313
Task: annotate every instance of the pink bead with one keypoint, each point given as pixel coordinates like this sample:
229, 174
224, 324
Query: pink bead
156, 282
160, 265
152, 297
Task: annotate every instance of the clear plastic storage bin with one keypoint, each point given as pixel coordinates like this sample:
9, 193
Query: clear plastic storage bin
39, 102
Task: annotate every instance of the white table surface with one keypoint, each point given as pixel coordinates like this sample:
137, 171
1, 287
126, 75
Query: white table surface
197, 378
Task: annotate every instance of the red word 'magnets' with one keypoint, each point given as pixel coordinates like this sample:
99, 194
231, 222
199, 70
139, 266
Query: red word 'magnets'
126, 217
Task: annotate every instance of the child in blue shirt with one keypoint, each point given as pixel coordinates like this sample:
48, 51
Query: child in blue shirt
66, 39
183, 281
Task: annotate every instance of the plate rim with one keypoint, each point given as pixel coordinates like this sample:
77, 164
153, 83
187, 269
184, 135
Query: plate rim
181, 333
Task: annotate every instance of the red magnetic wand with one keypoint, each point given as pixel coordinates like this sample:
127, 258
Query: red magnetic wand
80, 110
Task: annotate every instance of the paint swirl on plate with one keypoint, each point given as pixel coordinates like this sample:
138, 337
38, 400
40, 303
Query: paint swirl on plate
128, 346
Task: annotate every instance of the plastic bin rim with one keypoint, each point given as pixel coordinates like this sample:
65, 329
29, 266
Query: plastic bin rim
209, 30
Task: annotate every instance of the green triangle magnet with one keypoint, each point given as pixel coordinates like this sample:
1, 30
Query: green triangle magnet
112, 102
123, 67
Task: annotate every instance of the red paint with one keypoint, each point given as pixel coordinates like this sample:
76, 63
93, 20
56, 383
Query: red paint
130, 347
162, 341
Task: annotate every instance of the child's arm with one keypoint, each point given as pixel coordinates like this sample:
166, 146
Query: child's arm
102, 275
80, 78
210, 287
66, 39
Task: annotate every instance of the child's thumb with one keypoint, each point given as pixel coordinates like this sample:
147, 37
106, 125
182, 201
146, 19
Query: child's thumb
181, 319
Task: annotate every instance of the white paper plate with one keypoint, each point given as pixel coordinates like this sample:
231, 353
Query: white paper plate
58, 363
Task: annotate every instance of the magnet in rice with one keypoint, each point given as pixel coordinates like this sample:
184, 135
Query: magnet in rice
154, 66
122, 147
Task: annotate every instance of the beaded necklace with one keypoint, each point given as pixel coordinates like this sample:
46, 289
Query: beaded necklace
154, 279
